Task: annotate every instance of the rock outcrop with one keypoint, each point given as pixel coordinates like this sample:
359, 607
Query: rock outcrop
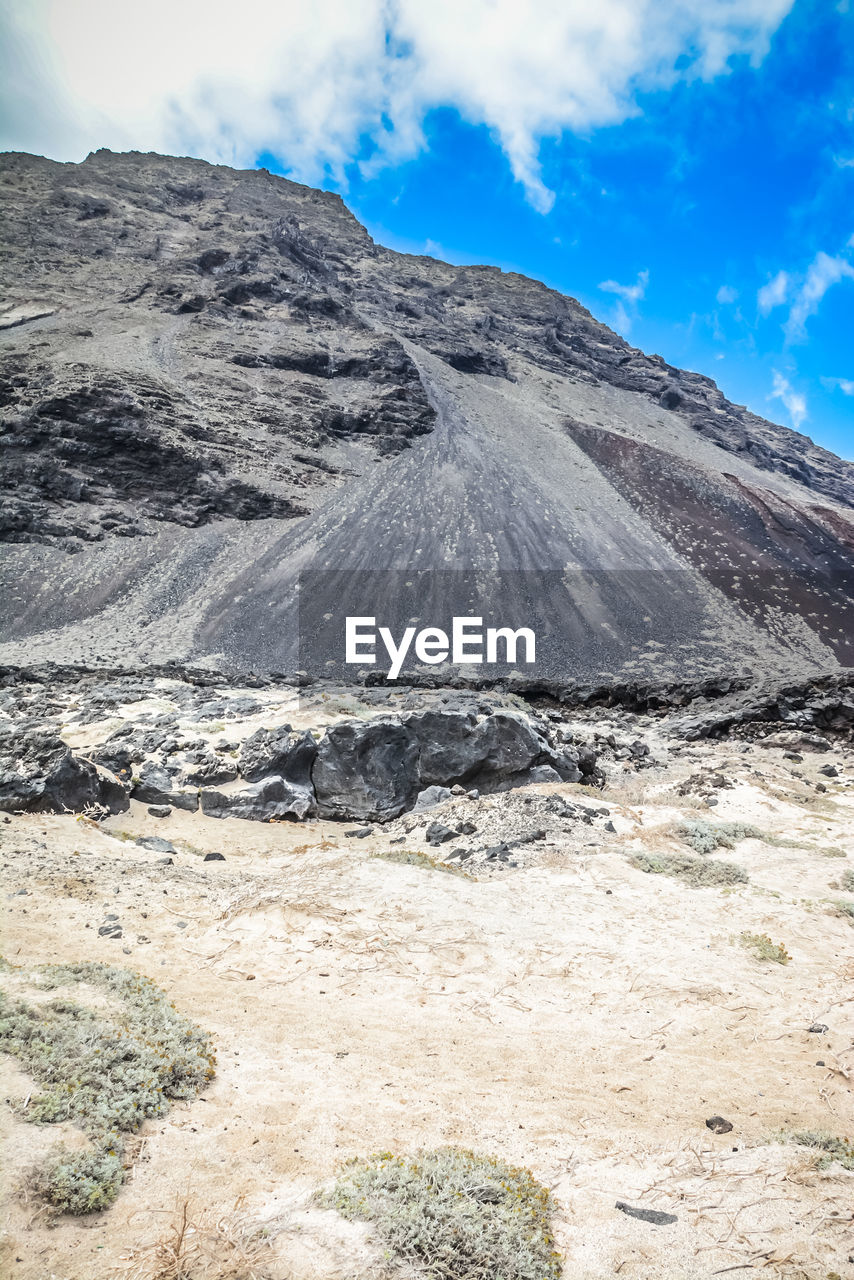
39, 773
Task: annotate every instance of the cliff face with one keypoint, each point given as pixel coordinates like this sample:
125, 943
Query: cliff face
213, 381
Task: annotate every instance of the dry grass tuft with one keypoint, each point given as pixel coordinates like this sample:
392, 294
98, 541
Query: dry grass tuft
827, 1148
201, 1245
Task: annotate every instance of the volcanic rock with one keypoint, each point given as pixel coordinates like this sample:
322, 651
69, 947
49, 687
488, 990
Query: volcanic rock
38, 773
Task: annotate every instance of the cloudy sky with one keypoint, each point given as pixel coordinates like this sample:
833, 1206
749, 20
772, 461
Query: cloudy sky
685, 169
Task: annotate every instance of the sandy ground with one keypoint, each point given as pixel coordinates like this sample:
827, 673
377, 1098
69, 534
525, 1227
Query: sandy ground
572, 1014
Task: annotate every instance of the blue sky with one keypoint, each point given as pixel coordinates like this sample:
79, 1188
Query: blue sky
690, 178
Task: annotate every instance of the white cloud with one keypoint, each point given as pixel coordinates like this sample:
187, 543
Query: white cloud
628, 296
822, 272
311, 82
630, 292
845, 385
774, 293
727, 294
794, 402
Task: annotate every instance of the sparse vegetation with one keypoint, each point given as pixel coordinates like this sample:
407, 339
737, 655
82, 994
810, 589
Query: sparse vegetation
104, 1069
846, 881
698, 872
79, 1182
456, 1215
201, 1243
415, 858
764, 949
705, 837
827, 1148
844, 907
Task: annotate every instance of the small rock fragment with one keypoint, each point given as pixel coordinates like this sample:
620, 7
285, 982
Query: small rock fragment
717, 1124
438, 833
656, 1216
155, 843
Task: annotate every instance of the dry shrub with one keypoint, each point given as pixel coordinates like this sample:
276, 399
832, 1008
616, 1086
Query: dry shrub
201, 1245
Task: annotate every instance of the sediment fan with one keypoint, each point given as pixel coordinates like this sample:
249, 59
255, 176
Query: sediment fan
216, 387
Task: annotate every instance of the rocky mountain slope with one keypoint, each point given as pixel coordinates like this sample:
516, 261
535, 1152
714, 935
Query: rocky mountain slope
215, 381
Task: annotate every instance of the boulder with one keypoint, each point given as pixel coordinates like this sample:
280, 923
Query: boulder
119, 757
544, 773
376, 769
430, 797
273, 797
277, 751
366, 769
156, 843
206, 769
155, 786
39, 773
439, 833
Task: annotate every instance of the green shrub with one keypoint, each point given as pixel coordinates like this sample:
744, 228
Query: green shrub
841, 1149
704, 837
843, 907
454, 1214
79, 1181
764, 949
846, 881
698, 872
414, 858
106, 1070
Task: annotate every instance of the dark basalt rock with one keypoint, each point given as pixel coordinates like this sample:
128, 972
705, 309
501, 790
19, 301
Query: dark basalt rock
206, 769
277, 751
273, 797
39, 773
119, 758
366, 769
156, 786
376, 769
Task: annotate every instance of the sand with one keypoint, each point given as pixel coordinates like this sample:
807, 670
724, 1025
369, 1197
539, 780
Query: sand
572, 1015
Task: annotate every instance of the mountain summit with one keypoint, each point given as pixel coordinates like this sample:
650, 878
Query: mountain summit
214, 382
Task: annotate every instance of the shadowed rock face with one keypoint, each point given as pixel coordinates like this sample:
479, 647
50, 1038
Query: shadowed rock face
212, 381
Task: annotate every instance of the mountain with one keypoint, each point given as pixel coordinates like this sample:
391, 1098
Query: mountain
215, 385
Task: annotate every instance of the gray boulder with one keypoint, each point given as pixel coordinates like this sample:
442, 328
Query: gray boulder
156, 786
273, 797
376, 769
39, 773
366, 769
206, 769
544, 773
430, 797
277, 751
